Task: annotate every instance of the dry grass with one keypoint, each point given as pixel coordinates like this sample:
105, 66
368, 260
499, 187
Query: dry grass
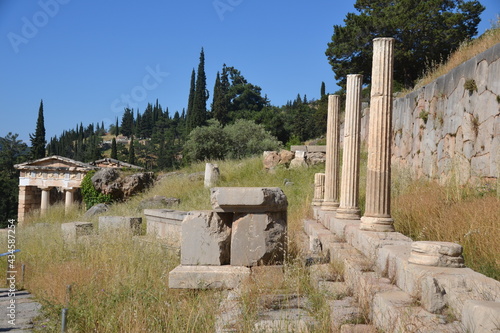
464, 215
465, 51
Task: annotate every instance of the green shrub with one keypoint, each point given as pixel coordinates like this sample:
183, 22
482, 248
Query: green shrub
470, 85
90, 195
241, 139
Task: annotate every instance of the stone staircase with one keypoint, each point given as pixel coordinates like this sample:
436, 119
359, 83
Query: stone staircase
397, 296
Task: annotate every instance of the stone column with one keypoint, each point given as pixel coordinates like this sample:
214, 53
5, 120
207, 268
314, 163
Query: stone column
319, 189
69, 198
21, 207
378, 182
331, 201
45, 200
349, 187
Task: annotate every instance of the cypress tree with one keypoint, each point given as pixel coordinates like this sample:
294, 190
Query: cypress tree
323, 89
220, 105
131, 153
189, 111
117, 129
199, 111
38, 141
127, 122
114, 152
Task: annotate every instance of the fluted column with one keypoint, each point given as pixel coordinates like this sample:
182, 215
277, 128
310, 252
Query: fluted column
44, 206
331, 200
319, 188
349, 186
377, 215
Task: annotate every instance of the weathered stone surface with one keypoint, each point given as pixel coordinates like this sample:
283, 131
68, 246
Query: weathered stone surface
286, 157
299, 161
165, 225
248, 199
109, 181
73, 230
344, 310
212, 174
315, 158
120, 224
158, 201
443, 254
258, 239
360, 328
206, 238
207, 277
481, 316
96, 210
271, 159
137, 183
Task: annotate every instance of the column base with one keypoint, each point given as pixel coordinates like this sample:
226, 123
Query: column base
348, 213
317, 202
378, 224
329, 205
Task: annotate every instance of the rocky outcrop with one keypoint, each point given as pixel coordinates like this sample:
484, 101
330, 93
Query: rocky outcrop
110, 181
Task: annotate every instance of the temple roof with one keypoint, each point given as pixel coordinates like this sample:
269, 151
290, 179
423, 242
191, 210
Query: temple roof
54, 163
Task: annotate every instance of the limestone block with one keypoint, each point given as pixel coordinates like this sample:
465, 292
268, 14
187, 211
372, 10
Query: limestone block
212, 174
481, 316
433, 295
360, 328
165, 224
207, 277
286, 157
258, 239
206, 238
271, 160
248, 199
73, 230
120, 224
442, 254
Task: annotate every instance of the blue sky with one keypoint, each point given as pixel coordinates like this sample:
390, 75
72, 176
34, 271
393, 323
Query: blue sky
89, 59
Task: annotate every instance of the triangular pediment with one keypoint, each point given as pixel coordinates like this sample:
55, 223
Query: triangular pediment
54, 162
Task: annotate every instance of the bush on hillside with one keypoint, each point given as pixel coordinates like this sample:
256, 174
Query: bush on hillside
241, 139
90, 195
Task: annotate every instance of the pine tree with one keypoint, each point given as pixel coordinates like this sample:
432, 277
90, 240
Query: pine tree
189, 111
199, 112
323, 89
114, 152
38, 141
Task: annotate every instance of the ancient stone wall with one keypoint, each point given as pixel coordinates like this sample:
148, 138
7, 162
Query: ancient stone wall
451, 127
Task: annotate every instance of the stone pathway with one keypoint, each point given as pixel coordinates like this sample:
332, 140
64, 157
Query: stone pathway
26, 309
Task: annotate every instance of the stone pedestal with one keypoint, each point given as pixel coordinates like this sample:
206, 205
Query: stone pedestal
378, 183
441, 254
165, 225
125, 224
207, 277
331, 201
212, 175
349, 188
319, 189
73, 230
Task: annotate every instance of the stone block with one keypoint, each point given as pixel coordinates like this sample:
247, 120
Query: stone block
258, 239
206, 238
120, 224
207, 277
165, 225
248, 199
212, 174
481, 316
73, 230
360, 328
442, 254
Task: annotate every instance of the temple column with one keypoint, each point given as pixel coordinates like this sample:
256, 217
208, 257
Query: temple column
45, 200
69, 198
349, 187
331, 201
377, 215
319, 189
21, 207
